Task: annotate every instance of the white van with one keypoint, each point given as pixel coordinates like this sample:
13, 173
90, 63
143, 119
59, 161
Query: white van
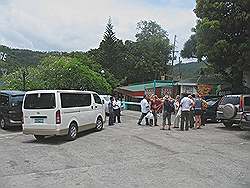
61, 112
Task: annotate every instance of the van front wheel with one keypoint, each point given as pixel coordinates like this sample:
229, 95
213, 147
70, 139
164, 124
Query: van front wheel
99, 124
72, 133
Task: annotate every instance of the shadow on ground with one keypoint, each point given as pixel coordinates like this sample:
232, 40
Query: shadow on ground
57, 140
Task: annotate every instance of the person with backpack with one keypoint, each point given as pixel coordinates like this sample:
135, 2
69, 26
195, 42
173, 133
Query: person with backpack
168, 109
197, 110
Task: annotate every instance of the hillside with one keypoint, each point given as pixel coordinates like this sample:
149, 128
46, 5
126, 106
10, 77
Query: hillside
187, 70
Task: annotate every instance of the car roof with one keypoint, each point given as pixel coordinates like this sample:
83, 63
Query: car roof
12, 92
244, 95
59, 91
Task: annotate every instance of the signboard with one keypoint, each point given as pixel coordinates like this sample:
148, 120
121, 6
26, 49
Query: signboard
3, 56
166, 91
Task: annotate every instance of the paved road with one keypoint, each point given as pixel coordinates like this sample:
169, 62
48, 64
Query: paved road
127, 155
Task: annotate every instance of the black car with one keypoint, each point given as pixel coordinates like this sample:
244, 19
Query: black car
210, 113
11, 108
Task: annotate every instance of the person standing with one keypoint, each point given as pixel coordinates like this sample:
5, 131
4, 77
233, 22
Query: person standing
111, 111
144, 110
191, 113
177, 112
117, 110
186, 104
197, 111
168, 109
156, 105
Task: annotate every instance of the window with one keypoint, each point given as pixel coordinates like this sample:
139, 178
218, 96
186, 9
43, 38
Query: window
17, 100
70, 100
231, 100
40, 101
97, 99
247, 104
4, 100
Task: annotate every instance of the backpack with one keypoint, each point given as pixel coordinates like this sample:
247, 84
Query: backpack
168, 106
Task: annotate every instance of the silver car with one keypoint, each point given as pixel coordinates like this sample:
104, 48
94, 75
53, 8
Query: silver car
232, 109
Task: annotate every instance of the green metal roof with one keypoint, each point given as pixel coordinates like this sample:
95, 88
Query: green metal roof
149, 85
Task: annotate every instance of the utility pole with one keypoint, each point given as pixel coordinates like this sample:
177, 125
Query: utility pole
180, 67
173, 56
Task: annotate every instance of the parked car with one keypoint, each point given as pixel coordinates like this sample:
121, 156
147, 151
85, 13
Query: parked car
58, 112
211, 111
232, 109
11, 108
106, 99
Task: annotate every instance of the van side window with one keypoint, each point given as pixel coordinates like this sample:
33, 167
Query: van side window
4, 100
70, 100
97, 99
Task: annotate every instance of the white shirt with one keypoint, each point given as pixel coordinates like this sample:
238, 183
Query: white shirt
144, 106
116, 104
186, 104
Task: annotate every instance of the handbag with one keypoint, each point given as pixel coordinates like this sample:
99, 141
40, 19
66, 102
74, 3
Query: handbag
149, 115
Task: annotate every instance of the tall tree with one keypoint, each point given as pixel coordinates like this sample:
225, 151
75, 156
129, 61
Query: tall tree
151, 52
110, 52
222, 34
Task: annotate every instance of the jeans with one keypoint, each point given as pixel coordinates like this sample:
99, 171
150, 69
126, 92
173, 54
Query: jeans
117, 115
166, 115
155, 118
185, 118
111, 118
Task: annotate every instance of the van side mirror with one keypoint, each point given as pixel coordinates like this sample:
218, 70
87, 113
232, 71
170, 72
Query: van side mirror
102, 101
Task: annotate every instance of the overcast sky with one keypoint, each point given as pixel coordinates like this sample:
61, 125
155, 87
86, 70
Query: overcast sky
73, 25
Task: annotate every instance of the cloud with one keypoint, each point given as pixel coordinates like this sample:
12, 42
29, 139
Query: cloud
79, 24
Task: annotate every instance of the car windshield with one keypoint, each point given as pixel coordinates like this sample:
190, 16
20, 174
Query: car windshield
17, 100
40, 101
235, 100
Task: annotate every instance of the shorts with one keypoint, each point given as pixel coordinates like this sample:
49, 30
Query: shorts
197, 112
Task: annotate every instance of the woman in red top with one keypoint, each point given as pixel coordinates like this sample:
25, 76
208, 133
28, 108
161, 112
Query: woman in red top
156, 106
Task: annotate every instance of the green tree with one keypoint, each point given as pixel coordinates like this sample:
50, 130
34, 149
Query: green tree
151, 52
222, 35
189, 50
59, 73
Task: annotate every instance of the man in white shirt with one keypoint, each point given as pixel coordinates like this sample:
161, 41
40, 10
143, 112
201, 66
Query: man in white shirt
186, 104
144, 110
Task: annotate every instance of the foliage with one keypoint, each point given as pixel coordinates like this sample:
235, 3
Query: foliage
222, 35
59, 73
189, 50
151, 51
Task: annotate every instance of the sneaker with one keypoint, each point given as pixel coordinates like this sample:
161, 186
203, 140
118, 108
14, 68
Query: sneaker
138, 123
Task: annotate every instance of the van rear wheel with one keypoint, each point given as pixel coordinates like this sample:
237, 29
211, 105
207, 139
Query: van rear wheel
39, 137
99, 124
72, 133
3, 123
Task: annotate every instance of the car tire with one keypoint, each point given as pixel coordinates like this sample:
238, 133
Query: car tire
228, 124
229, 111
241, 126
99, 124
3, 124
39, 137
72, 132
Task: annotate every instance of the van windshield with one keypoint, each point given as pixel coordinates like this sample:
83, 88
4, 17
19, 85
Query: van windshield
40, 101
